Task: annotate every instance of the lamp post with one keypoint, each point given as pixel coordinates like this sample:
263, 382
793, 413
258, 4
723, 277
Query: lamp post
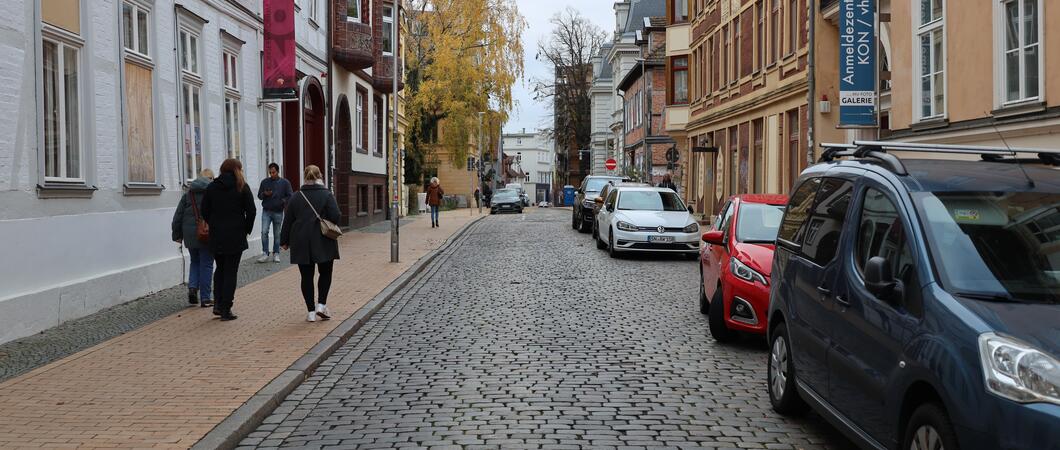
478, 172
394, 223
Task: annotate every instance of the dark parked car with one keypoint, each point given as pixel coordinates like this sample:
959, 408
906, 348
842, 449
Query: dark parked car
916, 303
506, 201
585, 201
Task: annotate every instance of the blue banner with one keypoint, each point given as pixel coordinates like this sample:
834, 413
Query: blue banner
857, 63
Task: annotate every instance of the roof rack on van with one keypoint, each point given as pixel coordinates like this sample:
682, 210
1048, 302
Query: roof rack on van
878, 150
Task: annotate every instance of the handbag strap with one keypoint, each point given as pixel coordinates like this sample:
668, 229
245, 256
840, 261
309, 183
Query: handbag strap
194, 206
310, 204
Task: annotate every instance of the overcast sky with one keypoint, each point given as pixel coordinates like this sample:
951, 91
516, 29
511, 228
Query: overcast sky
528, 113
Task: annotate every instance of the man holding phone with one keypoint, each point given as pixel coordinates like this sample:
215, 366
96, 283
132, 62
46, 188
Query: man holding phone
274, 193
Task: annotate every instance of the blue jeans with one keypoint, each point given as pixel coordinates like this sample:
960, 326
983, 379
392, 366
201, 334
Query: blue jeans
276, 219
201, 276
434, 214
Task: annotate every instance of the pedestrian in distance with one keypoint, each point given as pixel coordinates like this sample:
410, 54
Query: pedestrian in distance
228, 207
666, 183
274, 194
185, 230
487, 194
434, 199
308, 246
478, 198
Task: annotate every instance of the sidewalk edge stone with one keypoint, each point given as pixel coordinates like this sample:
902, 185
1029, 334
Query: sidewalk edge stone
245, 419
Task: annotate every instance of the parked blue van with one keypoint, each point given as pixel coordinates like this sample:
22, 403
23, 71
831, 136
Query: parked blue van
916, 303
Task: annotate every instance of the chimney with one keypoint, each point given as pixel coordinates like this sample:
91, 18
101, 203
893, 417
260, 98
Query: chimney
621, 16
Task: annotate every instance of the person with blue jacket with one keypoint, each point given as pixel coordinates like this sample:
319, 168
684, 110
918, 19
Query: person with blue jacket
274, 194
200, 278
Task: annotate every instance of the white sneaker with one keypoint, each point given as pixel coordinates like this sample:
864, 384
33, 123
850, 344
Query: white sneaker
263, 258
322, 311
275, 257
312, 317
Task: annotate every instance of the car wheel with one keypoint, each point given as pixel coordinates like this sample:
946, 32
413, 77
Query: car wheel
585, 227
718, 330
580, 226
780, 374
574, 220
930, 429
600, 244
704, 304
611, 244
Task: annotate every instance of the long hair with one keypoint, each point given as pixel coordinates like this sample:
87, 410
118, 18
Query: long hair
234, 167
312, 174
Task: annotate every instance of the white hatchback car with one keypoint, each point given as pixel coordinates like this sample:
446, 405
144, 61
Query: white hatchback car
646, 219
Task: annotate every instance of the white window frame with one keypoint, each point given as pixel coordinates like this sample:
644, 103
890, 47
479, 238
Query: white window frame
918, 31
137, 8
232, 130
359, 127
270, 135
63, 40
314, 11
357, 19
230, 71
190, 38
1000, 74
388, 35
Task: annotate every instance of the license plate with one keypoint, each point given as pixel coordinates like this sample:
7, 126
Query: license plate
661, 239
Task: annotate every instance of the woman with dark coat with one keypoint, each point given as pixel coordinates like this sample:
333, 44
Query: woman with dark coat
184, 230
310, 249
228, 208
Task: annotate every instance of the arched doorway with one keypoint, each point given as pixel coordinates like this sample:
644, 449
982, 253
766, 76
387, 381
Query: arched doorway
313, 127
343, 157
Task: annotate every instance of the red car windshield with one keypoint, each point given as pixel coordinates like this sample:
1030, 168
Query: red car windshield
758, 222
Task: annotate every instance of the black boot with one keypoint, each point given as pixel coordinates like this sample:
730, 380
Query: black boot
193, 296
226, 313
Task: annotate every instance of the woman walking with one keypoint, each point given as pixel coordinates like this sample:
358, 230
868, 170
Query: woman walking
228, 208
185, 226
434, 200
310, 249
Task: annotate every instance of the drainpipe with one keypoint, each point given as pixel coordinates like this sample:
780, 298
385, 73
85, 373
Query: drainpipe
811, 91
330, 130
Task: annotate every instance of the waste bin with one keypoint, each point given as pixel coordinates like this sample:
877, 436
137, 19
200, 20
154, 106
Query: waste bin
568, 195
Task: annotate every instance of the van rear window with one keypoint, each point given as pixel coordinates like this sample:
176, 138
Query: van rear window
798, 212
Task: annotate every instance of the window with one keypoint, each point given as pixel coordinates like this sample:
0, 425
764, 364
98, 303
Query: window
1022, 50
359, 133
62, 111
353, 10
931, 53
231, 75
135, 28
723, 217
798, 213
314, 10
680, 80
880, 233
793, 24
715, 84
794, 157
191, 103
380, 198
271, 137
760, 36
758, 177
362, 199
388, 30
233, 148
725, 54
734, 160
774, 30
680, 12
737, 49
826, 224
379, 133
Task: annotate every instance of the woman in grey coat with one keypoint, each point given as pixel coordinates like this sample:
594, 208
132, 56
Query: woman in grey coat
309, 248
200, 278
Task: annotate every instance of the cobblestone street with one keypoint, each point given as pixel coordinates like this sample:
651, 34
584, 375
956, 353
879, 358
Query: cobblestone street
524, 335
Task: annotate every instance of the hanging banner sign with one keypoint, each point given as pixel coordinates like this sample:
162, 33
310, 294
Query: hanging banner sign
278, 76
857, 63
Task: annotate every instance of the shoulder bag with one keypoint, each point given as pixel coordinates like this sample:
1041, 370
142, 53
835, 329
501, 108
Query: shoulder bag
202, 229
328, 229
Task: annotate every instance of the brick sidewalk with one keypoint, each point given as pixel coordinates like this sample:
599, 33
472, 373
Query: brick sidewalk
169, 383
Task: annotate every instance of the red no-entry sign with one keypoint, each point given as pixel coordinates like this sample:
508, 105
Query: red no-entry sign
610, 164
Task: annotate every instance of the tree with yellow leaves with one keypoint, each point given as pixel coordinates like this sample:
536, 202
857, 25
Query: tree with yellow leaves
462, 58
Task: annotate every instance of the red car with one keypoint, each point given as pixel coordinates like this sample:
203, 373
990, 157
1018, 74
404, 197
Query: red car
735, 264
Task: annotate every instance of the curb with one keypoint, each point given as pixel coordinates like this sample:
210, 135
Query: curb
245, 419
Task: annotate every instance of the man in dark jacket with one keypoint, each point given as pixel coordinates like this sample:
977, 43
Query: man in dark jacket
228, 207
274, 194
184, 230
667, 183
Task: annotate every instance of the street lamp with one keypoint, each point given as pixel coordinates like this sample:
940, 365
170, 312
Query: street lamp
479, 172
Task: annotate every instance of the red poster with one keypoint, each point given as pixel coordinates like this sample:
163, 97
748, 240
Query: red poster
278, 79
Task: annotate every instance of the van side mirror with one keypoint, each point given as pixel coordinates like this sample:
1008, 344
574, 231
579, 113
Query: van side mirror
878, 278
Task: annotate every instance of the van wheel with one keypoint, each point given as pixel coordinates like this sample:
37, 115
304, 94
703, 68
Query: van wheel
704, 304
780, 374
718, 329
930, 429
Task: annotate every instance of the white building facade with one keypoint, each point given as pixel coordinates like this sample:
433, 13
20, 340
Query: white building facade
602, 98
113, 105
535, 156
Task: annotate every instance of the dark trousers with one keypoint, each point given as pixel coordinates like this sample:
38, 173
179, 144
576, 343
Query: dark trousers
224, 280
323, 283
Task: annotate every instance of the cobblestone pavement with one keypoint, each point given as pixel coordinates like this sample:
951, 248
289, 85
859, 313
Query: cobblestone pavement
23, 355
524, 335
